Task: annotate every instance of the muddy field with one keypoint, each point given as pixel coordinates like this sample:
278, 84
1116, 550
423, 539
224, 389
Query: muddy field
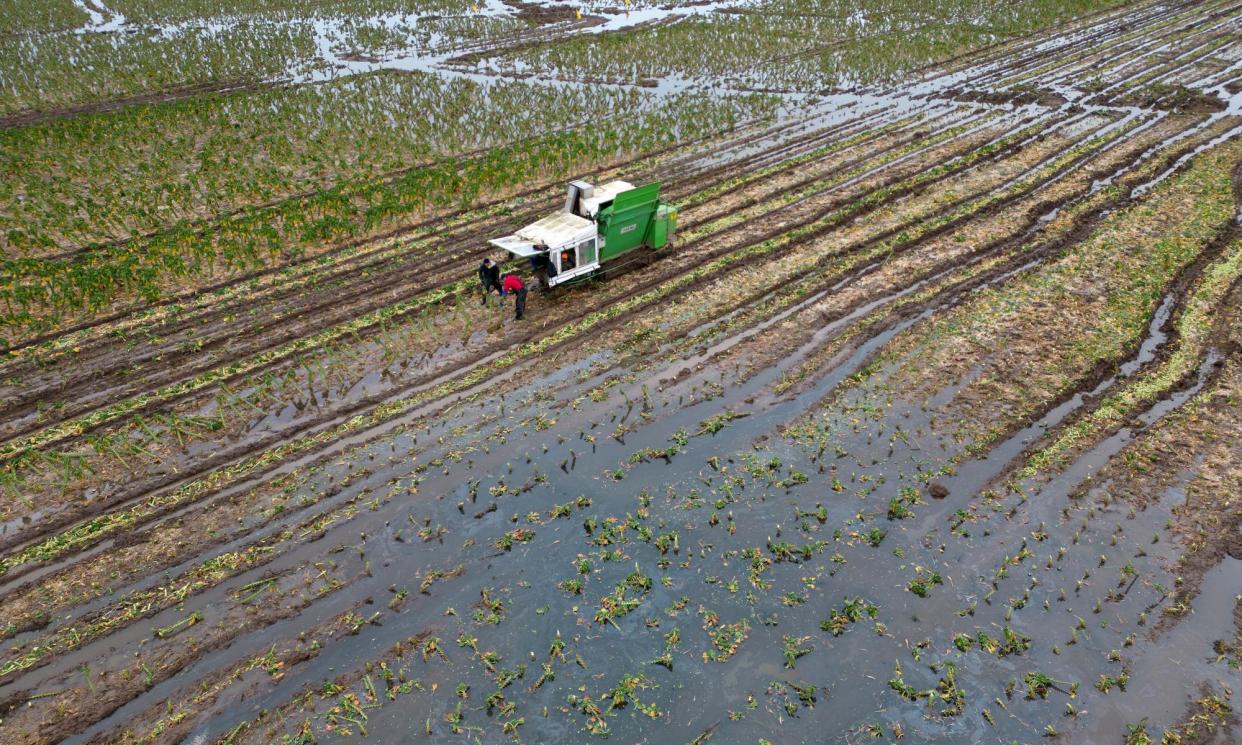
924, 429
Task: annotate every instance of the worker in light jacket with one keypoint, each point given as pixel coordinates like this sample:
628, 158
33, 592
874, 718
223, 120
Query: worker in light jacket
513, 283
489, 278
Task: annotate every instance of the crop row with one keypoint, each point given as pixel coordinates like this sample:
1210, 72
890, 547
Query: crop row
165, 48
45, 72
1193, 329
174, 11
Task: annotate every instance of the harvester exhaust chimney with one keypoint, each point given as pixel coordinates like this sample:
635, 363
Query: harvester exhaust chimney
577, 190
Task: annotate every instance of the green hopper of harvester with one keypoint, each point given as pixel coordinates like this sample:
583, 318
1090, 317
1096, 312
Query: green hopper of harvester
596, 225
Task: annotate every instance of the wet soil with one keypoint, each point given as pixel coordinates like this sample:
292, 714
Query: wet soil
489, 541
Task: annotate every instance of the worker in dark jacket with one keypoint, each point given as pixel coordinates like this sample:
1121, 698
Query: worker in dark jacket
489, 278
513, 283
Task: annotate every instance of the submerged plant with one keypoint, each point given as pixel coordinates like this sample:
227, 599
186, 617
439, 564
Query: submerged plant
795, 647
851, 611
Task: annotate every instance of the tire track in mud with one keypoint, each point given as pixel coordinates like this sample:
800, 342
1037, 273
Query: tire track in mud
1176, 62
1170, 164
1008, 449
1018, 235
1153, 351
1114, 25
978, 206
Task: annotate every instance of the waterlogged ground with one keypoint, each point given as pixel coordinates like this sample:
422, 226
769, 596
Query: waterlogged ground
923, 430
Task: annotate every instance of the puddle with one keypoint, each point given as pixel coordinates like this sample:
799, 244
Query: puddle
101, 19
1168, 676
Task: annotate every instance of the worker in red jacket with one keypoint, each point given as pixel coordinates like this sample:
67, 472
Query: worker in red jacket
513, 283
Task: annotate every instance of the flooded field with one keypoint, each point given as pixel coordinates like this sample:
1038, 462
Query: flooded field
924, 428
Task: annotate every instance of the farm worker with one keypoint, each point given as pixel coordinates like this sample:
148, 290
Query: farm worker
513, 283
489, 278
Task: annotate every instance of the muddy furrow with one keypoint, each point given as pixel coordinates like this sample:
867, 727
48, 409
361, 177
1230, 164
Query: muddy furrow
1000, 74
1148, 360
1069, 77
1106, 374
1012, 244
1176, 61
912, 236
1135, 170
1031, 56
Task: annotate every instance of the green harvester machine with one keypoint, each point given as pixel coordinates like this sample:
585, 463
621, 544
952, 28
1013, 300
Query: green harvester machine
597, 224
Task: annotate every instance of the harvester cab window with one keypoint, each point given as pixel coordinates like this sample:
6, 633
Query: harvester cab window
586, 251
568, 260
